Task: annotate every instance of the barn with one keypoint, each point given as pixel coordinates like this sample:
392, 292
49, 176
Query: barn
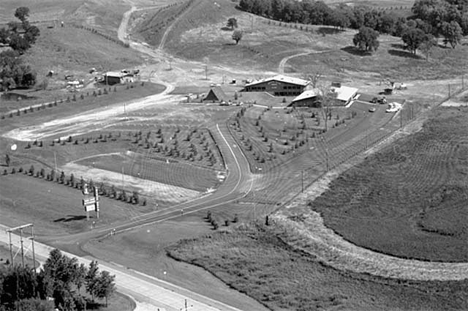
278, 86
309, 98
113, 77
215, 95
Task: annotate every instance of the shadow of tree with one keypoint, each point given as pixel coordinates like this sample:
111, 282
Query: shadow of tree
398, 46
225, 28
355, 51
70, 218
328, 31
401, 53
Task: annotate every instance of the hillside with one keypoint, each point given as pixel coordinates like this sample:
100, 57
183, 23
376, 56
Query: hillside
183, 16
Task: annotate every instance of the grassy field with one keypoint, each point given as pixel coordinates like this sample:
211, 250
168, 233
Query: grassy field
410, 199
101, 15
143, 249
54, 208
254, 261
66, 104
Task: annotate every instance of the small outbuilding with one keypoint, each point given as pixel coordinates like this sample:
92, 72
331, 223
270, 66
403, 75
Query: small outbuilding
344, 94
215, 95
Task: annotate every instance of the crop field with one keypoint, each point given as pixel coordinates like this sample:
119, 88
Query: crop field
410, 199
255, 261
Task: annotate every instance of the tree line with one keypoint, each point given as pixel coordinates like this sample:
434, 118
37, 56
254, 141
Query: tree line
20, 36
59, 284
431, 19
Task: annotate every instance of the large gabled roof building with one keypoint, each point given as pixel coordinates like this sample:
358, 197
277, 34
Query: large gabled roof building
278, 86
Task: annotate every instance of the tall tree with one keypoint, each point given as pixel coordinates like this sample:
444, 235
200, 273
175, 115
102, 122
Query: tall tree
104, 286
413, 37
232, 23
452, 33
366, 39
22, 13
237, 35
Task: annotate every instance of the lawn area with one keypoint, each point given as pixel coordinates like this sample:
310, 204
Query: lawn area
55, 208
143, 249
410, 199
255, 261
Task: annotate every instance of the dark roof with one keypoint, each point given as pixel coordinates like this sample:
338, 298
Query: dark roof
218, 92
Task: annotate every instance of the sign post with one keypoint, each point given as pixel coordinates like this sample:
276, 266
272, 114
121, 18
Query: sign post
91, 203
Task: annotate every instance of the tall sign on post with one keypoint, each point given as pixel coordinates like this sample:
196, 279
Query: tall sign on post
91, 203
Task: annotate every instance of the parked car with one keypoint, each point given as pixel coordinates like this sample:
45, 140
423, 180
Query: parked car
372, 109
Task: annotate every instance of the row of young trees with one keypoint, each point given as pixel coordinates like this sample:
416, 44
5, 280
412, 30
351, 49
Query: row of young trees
59, 284
20, 36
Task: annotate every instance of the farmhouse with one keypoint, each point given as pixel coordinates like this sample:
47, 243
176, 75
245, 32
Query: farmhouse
115, 77
344, 94
309, 98
278, 86
216, 94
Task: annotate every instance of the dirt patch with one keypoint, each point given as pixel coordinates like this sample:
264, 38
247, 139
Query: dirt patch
146, 187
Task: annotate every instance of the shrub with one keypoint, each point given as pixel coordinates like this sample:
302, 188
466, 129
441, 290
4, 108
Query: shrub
5, 172
236, 218
227, 222
13, 170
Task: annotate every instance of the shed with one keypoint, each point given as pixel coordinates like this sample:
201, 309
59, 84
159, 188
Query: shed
216, 94
344, 94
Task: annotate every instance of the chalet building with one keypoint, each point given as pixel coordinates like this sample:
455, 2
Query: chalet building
278, 86
215, 95
309, 98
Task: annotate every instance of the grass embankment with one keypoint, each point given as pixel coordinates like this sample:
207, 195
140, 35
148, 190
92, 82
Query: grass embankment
410, 199
254, 261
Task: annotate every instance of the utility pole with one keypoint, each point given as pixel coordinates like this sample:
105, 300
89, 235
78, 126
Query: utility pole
302, 181
20, 229
22, 249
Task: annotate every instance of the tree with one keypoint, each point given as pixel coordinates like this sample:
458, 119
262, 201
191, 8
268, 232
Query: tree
22, 13
427, 45
104, 286
35, 304
413, 38
452, 33
232, 23
17, 284
366, 39
237, 35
